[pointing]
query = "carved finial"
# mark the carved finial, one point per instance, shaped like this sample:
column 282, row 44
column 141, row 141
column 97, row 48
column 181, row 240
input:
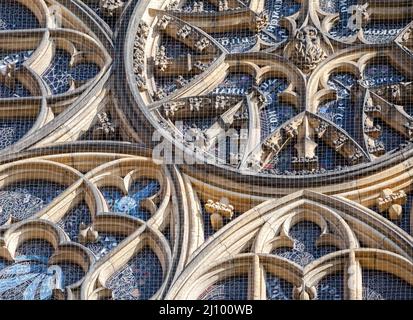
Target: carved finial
column 392, row 203
column 111, row 8
column 218, row 211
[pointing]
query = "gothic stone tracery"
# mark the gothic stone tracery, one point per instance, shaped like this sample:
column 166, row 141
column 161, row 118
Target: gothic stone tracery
column 313, row 98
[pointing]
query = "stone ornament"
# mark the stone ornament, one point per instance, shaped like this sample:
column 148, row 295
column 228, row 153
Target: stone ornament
column 314, row 204
column 308, row 52
column 111, row 8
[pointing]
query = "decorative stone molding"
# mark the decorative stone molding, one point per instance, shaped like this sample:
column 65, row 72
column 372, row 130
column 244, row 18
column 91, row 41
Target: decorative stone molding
column 308, row 52
column 139, row 55
column 111, row 8
column 276, row 250
column 104, row 129
column 161, row 59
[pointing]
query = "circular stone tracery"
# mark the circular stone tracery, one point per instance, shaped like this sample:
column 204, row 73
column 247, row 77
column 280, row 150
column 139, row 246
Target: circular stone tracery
column 276, row 87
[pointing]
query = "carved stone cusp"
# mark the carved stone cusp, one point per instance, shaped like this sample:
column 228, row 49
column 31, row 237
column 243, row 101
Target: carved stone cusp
column 217, row 221
column 87, row 234
column 304, row 292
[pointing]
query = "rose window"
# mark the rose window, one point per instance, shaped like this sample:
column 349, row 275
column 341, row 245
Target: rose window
column 275, row 87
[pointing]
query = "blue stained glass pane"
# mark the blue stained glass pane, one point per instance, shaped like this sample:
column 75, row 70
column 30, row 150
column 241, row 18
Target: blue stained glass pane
column 305, row 250
column 16, row 91
column 328, row 158
column 139, row 279
column 13, row 129
column 14, row 16
column 17, row 58
column 235, row 83
column 30, row 292
column 340, row 111
column 73, row 219
column 234, row 288
column 71, row 273
column 278, row 9
column 24, row 199
column 31, row 277
column 378, row 285
column 46, row 288
column 38, row 248
column 241, row 41
column 378, row 74
column 274, row 113
column 105, row 243
column 331, row 287
column 59, row 74
column 131, row 203
column 383, row 31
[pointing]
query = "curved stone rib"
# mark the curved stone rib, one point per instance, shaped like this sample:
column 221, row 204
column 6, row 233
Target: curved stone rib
column 254, row 130
column 392, row 114
column 224, row 21
column 272, row 144
column 338, row 139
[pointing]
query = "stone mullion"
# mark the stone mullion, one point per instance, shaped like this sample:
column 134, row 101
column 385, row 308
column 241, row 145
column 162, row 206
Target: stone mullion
column 254, row 131
column 353, row 289
column 256, row 280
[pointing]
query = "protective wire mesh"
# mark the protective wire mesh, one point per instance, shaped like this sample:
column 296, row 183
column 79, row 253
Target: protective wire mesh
column 212, row 149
